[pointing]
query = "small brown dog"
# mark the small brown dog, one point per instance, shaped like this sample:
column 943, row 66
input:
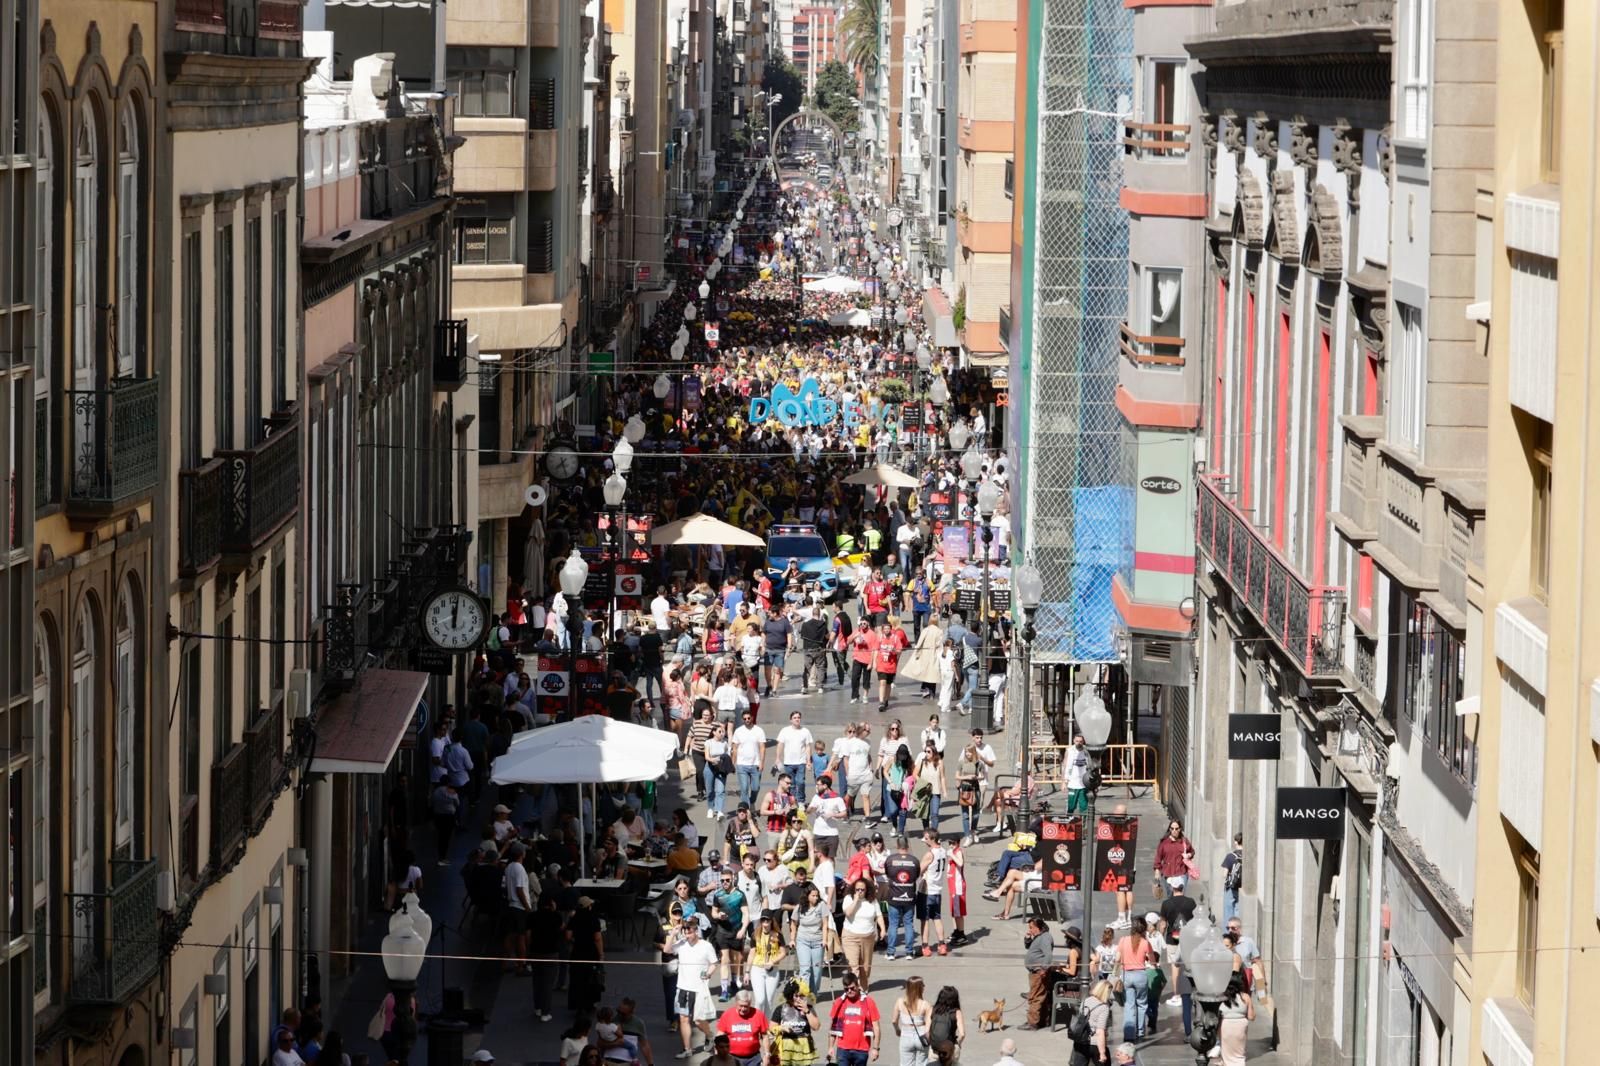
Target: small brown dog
column 990, row 1020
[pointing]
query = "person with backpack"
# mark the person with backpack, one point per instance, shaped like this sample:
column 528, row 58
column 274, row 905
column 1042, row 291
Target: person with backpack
column 1087, row 1031
column 1232, row 879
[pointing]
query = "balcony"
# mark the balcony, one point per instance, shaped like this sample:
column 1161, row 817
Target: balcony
column 1155, row 140
column 1304, row 620
column 449, row 354
column 114, row 446
column 240, row 27
column 261, row 486
column 117, row 940
column 1151, row 351
column 244, row 783
column 200, row 517
column 1359, row 488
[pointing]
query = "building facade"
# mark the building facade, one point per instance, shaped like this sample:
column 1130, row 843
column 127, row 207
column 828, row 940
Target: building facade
column 99, row 812
column 230, row 571
column 1540, row 704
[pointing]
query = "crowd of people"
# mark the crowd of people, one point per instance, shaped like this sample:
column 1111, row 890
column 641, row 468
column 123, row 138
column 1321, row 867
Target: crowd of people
column 817, row 856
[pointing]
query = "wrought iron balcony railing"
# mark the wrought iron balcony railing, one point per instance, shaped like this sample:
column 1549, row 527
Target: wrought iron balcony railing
column 1304, row 619
column 200, row 501
column 228, row 818
column 261, row 486
column 116, row 936
column 244, row 783
column 114, row 447
column 449, row 354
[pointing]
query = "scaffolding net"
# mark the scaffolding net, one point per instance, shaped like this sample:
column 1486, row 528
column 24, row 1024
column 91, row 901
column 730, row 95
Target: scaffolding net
column 1079, row 514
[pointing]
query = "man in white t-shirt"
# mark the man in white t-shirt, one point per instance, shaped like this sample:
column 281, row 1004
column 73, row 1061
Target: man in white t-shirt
column 775, row 877
column 827, row 809
column 519, row 904
column 697, row 961
column 749, row 756
column 661, row 611
column 794, row 753
column 852, row 761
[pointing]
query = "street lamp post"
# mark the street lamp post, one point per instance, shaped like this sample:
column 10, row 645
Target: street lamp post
column 1027, row 590
column 573, row 577
column 988, row 499
column 1210, row 967
column 403, row 953
column 1093, row 722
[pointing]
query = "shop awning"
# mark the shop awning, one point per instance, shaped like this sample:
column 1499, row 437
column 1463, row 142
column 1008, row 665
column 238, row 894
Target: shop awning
column 359, row 732
column 936, row 313
column 380, row 3
column 989, row 359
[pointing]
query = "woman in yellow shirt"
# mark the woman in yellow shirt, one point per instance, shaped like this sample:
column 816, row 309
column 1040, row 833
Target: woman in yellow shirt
column 767, row 952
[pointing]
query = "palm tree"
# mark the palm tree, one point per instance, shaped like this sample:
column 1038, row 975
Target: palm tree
column 860, row 28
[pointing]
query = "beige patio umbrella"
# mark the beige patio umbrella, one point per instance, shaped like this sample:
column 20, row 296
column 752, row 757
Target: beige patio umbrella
column 883, row 474
column 703, row 529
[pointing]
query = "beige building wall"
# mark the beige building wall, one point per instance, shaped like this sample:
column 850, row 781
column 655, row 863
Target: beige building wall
column 1536, row 950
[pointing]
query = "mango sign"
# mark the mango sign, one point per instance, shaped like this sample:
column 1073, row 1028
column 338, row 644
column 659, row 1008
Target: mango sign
column 804, row 408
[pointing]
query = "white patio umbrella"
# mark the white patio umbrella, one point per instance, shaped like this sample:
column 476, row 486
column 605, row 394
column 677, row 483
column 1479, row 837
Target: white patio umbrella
column 834, row 283
column 856, row 317
column 883, row 474
column 703, row 529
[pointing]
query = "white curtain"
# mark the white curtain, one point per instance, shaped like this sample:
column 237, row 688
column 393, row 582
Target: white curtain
column 1165, row 297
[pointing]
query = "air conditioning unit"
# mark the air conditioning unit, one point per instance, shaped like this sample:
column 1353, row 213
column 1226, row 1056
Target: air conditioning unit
column 299, row 694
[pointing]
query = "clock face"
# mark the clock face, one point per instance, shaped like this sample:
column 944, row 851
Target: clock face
column 561, row 462
column 454, row 619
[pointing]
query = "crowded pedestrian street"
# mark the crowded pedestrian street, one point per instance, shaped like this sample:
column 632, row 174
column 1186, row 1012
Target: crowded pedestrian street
column 837, row 822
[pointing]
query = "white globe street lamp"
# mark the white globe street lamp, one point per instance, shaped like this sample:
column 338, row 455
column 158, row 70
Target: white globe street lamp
column 988, row 499
column 939, row 393
column 1029, row 584
column 959, row 433
column 622, row 456
column 573, row 576
column 688, row 312
column 971, row 464
column 1093, row 720
column 705, row 289
column 614, row 489
column 633, row 430
column 662, row 386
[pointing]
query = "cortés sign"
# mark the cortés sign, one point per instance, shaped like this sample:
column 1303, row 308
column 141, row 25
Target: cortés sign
column 1162, row 486
column 1310, row 813
column 1254, row 736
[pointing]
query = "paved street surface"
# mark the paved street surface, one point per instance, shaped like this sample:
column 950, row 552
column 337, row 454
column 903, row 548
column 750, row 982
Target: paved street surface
column 989, row 968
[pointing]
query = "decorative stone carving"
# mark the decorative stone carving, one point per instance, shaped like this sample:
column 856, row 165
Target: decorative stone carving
column 1285, row 224
column 1369, row 302
column 1233, row 134
column 47, row 38
column 1327, row 238
column 1208, row 138
column 1347, row 159
column 136, row 41
column 1251, row 210
column 1303, row 143
column 1266, row 139
column 1386, row 153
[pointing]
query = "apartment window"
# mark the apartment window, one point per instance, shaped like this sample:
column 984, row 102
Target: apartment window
column 1550, row 54
column 85, row 248
column 193, row 353
column 252, row 653
column 127, row 761
column 486, row 228
column 222, row 711
column 1164, row 114
column 1163, row 292
column 1011, row 179
column 280, row 326
column 129, row 280
column 224, row 324
column 1434, row 671
column 484, row 80
column 252, row 329
column 1527, row 924
column 1408, row 376
column 189, row 750
column 1543, row 487
column 1416, row 69
column 280, row 596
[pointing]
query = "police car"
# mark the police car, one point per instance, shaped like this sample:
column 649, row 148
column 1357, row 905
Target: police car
column 805, row 545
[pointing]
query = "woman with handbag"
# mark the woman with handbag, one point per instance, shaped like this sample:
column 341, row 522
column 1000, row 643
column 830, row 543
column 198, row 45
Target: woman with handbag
column 1134, row 957
column 719, row 764
column 912, row 1014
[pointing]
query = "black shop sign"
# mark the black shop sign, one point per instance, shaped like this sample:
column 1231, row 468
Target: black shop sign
column 1310, row 813
column 1254, row 736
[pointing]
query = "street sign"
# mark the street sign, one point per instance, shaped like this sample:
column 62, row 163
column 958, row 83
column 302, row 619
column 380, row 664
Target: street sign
column 713, row 334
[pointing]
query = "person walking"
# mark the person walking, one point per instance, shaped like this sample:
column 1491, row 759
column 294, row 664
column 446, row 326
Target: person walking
column 931, row 786
column 749, row 756
column 922, row 665
column 853, row 1025
column 931, row 887
column 718, row 765
column 1077, row 774
column 863, row 647
column 886, row 659
column 745, row 1025
column 1173, row 856
column 777, row 634
column 912, row 1016
column 947, row 1032
column 1096, row 1009
column 808, row 923
column 840, row 629
column 767, row 952
column 1238, row 1011
column 1232, row 878
column 444, row 804
column 794, row 1025
column 1134, row 955
column 863, row 927
column 693, row 1005
column 904, row 872
column 949, row 661
column 794, row 752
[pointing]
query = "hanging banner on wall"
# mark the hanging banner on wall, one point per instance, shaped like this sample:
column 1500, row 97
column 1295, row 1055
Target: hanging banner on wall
column 1116, row 837
column 1059, row 847
column 1310, row 813
column 1254, row 736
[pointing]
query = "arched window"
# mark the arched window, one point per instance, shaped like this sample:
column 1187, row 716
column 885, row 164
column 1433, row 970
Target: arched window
column 44, row 703
column 130, row 214
column 85, row 247
column 44, row 262
column 129, row 634
column 84, row 768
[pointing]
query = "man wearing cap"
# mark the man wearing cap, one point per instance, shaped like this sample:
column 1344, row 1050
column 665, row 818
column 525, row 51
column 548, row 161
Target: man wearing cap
column 746, row 1029
column 711, row 876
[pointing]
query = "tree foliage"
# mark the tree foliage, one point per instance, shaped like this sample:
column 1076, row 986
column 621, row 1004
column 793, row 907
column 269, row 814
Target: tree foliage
column 782, row 78
column 860, row 27
column 835, row 95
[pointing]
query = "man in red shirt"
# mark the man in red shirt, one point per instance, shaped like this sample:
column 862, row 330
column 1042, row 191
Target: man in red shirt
column 746, row 1028
column 875, row 593
column 886, row 659
column 863, row 647
column 763, row 587
column 853, row 1026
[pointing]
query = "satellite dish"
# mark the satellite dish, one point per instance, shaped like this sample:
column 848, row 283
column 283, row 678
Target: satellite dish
column 535, row 496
